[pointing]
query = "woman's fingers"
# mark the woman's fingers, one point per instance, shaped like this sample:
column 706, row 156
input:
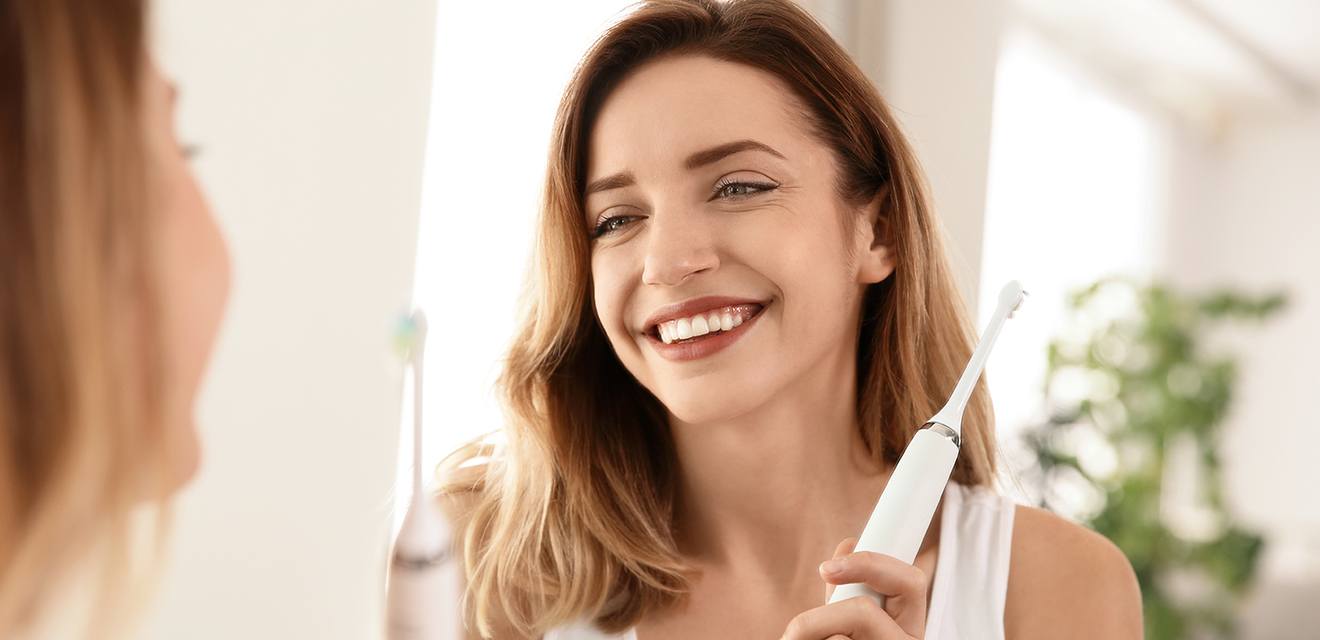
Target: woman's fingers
column 853, row 619
column 902, row 618
column 884, row 574
column 903, row 585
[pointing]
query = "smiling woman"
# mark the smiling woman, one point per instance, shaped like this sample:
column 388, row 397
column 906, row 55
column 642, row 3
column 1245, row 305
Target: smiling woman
column 741, row 312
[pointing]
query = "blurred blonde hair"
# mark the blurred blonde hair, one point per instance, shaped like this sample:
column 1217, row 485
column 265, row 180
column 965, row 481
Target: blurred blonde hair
column 572, row 516
column 80, row 366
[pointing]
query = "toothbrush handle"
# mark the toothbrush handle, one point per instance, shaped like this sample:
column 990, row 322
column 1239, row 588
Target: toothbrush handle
column 901, row 516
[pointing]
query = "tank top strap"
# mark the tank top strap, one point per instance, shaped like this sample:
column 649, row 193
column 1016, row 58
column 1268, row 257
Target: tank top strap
column 971, row 573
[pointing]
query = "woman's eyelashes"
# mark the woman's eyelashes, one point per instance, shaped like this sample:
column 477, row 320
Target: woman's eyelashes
column 737, row 189
column 608, row 225
column 724, row 189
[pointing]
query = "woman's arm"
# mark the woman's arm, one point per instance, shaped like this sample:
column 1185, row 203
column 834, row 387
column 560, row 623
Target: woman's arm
column 1066, row 581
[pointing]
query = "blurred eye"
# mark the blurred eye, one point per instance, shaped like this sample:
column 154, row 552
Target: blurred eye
column 190, row 151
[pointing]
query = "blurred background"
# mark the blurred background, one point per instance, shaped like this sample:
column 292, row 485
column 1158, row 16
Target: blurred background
column 1145, row 167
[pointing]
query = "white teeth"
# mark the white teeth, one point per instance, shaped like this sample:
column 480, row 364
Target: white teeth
column 699, row 326
column 683, row 329
column 704, row 323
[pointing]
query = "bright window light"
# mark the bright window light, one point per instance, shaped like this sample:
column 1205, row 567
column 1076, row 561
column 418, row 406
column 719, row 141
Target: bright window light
column 1074, row 195
column 497, row 80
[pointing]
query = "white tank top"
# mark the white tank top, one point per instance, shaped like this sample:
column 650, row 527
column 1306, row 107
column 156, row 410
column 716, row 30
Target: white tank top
column 971, row 571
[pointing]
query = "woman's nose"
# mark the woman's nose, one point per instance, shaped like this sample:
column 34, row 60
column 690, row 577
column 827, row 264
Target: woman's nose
column 677, row 246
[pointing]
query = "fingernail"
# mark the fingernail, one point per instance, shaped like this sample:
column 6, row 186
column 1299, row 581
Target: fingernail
column 831, row 566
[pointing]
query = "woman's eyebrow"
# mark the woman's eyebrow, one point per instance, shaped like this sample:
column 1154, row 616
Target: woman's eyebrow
column 715, row 154
column 615, row 181
column 698, row 159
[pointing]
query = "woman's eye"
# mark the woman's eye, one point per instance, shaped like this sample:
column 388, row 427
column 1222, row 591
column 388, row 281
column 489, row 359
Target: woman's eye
column 738, row 189
column 610, row 225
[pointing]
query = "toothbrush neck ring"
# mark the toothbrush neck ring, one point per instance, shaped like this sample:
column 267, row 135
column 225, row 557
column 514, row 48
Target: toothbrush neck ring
column 939, row 428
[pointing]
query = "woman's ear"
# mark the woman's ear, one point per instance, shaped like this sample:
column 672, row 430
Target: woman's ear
column 874, row 249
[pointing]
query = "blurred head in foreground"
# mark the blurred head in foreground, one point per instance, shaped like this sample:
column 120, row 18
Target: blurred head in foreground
column 113, row 280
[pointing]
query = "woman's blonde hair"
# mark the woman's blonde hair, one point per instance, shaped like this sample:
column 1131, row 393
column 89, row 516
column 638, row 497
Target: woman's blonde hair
column 572, row 516
column 80, row 431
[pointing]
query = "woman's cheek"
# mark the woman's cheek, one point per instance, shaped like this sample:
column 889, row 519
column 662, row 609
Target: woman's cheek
column 608, row 298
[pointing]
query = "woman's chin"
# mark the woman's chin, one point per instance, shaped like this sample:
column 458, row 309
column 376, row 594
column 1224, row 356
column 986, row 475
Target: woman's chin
column 182, row 460
column 700, row 403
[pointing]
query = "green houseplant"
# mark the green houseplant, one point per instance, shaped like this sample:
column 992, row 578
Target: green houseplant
column 1128, row 386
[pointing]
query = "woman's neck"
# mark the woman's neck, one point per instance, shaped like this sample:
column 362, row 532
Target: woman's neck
column 769, row 494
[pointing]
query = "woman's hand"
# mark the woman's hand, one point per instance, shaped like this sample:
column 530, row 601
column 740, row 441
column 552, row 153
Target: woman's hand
column 903, row 585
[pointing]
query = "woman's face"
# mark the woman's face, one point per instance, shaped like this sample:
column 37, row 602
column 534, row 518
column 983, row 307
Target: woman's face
column 716, row 206
column 194, row 274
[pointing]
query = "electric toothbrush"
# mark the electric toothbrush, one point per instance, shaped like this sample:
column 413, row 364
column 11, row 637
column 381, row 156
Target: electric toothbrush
column 423, row 588
column 905, row 509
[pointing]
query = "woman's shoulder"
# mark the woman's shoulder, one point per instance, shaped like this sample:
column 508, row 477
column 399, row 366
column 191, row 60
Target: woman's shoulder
column 1066, row 580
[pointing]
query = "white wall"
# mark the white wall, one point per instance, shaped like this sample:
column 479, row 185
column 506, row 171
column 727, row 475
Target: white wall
column 311, row 116
column 1249, row 216
column 934, row 62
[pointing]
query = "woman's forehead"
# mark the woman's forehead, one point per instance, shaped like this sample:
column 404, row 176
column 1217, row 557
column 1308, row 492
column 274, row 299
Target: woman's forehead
column 667, row 109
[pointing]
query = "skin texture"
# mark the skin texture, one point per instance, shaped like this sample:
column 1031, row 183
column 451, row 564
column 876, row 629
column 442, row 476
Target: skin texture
column 773, row 473
column 195, row 271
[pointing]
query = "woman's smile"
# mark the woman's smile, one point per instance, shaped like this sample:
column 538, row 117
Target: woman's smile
column 693, row 336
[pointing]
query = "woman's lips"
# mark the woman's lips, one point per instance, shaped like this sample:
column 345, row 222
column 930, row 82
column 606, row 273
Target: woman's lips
column 684, row 350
